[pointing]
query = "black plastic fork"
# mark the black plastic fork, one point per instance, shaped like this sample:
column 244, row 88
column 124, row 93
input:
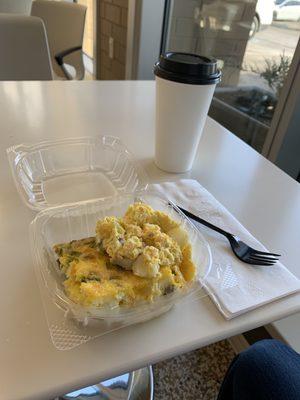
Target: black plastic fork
column 243, row 252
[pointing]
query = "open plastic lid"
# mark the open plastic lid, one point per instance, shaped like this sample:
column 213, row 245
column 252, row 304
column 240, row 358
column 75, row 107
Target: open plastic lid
column 64, row 171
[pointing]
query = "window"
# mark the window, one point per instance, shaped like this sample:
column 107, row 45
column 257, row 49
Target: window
column 255, row 61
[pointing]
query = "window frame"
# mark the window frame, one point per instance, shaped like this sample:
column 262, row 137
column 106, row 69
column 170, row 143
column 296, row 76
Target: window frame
column 282, row 127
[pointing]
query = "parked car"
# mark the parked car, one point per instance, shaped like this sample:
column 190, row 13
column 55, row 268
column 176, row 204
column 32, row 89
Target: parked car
column 263, row 15
column 287, row 10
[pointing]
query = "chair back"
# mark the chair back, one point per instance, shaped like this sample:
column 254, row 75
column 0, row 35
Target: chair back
column 24, row 49
column 64, row 24
column 15, row 6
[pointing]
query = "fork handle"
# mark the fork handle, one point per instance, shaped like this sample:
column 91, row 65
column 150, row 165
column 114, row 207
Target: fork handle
column 206, row 223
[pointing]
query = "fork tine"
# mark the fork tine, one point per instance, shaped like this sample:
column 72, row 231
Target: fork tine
column 262, row 258
column 254, row 262
column 264, row 253
column 254, row 259
column 257, row 260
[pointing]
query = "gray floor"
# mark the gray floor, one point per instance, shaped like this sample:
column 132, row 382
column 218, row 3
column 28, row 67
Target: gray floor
column 193, row 376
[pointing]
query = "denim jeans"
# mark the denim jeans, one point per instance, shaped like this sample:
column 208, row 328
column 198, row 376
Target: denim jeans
column 267, row 370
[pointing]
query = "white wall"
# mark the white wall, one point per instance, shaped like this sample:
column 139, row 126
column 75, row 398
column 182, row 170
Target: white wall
column 150, row 37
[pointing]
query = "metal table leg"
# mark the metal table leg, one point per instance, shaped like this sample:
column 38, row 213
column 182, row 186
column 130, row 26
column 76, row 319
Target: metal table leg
column 136, row 385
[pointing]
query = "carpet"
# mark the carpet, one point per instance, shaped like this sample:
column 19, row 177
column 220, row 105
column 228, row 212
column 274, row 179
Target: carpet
column 193, row 376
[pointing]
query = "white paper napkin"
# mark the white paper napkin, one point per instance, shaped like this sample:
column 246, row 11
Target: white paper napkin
column 234, row 286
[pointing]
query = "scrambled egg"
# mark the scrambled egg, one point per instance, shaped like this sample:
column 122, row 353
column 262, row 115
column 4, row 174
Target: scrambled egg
column 136, row 258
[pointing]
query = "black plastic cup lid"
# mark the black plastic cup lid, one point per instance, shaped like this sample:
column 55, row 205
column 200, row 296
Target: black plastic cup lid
column 188, row 68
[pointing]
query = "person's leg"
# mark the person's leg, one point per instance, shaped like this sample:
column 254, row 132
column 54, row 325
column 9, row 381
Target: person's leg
column 267, row 370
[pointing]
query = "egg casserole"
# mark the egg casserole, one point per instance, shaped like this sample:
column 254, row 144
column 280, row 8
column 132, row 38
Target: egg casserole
column 130, row 260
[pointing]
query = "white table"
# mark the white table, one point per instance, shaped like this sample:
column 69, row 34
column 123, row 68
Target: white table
column 262, row 197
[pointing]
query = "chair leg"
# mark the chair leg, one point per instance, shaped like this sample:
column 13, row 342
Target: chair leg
column 136, row 385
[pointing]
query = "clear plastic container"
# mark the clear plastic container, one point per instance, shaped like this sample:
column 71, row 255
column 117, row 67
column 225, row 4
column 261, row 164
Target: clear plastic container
column 77, row 221
column 52, row 173
column 73, row 183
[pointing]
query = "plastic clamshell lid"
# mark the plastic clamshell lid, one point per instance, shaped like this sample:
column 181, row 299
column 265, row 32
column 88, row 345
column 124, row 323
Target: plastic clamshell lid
column 71, row 170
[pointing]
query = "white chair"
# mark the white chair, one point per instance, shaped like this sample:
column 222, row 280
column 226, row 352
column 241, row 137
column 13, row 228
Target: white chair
column 24, row 49
column 64, row 24
column 15, row 6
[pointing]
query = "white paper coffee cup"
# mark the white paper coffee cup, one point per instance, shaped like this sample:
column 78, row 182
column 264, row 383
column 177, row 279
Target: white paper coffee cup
column 185, row 85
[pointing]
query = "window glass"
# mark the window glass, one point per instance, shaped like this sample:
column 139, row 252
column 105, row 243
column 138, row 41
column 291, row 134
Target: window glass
column 254, row 44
